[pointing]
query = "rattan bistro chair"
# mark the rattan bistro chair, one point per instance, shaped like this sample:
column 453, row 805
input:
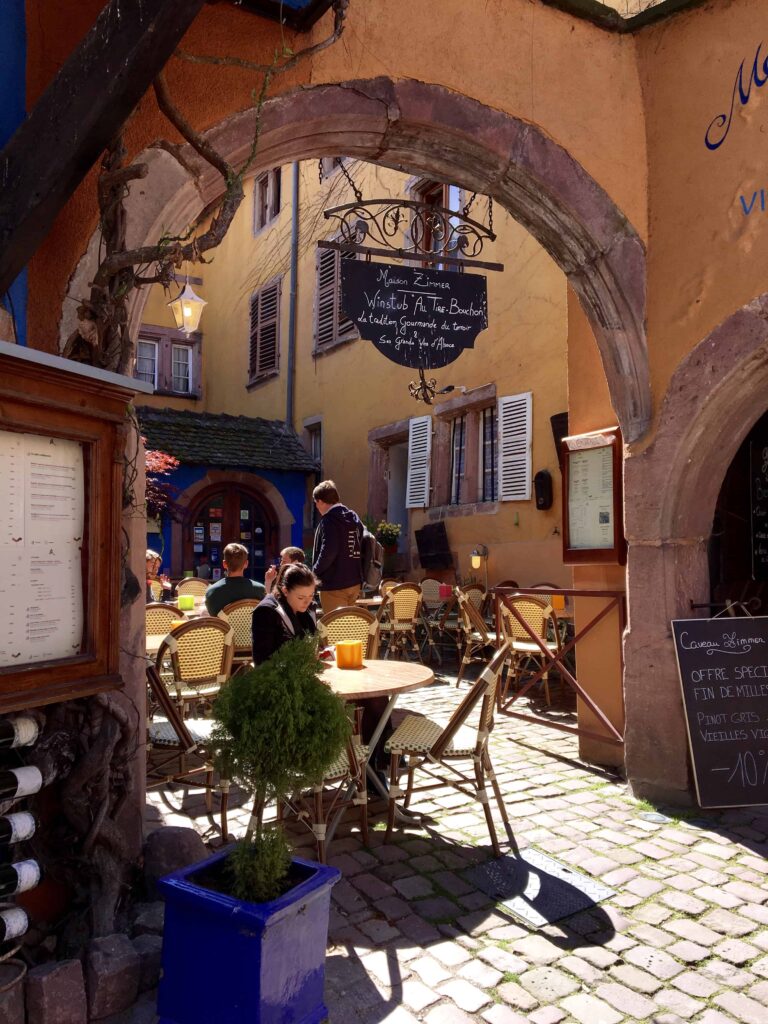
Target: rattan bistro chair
column 476, row 636
column 239, row 615
column 399, row 617
column 351, row 623
column 200, row 655
column 438, row 751
column 179, row 749
column 192, row 585
column 159, row 618
column 542, row 621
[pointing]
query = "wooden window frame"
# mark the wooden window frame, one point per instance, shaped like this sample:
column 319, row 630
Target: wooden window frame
column 155, row 345
column 166, row 339
column 493, row 463
column 187, row 350
column 257, row 375
column 322, row 295
column 267, row 188
column 458, row 458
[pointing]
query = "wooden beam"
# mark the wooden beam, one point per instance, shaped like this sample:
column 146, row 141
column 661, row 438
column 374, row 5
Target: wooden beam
column 76, row 117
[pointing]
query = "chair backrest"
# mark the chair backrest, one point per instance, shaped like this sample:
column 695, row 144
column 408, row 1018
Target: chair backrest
column 536, row 613
column 193, row 586
column 386, row 585
column 430, row 591
column 483, row 689
column 156, row 589
column 160, row 616
column 351, row 624
column 476, row 594
column 239, row 615
column 471, row 619
column 508, row 583
column 200, row 650
column 159, row 696
column 404, row 602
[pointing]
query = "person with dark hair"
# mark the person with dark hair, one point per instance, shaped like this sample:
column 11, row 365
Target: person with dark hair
column 235, row 586
column 337, row 555
column 286, row 613
column 288, row 556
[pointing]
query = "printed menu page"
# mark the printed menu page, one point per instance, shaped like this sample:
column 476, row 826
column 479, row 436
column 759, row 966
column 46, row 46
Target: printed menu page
column 41, row 538
column 590, row 498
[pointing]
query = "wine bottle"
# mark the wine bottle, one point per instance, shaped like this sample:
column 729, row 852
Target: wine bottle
column 18, row 877
column 18, row 782
column 21, row 731
column 13, row 923
column 15, row 828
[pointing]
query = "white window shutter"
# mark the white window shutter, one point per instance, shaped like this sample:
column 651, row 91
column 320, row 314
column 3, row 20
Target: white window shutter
column 419, row 451
column 515, row 437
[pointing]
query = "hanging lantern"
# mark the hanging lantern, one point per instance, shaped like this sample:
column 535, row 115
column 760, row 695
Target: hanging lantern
column 187, row 309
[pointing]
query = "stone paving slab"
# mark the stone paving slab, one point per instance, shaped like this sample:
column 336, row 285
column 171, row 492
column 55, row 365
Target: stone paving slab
column 685, row 938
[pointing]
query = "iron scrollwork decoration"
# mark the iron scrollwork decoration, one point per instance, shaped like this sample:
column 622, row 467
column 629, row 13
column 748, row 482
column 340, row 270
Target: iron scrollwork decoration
column 411, row 229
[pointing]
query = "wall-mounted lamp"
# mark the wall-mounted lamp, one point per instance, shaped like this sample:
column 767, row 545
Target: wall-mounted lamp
column 479, row 554
column 479, row 557
column 187, row 308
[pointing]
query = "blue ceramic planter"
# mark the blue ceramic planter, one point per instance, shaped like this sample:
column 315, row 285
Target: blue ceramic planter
column 230, row 962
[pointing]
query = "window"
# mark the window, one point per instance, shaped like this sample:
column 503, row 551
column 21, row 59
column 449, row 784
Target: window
column 181, row 369
column 266, row 198
column 434, row 193
column 331, row 323
column 330, row 164
column 458, row 448
column 169, row 360
column 315, row 438
column 146, row 362
column 488, row 469
column 264, row 347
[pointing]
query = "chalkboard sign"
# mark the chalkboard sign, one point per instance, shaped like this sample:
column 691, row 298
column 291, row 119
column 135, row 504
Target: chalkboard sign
column 723, row 665
column 417, row 318
column 758, row 502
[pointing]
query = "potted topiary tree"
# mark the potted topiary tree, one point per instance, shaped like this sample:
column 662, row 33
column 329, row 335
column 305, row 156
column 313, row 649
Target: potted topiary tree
column 255, row 917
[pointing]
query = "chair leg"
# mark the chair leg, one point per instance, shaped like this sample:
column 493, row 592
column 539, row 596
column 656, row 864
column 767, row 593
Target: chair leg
column 394, row 780
column 318, row 826
column 491, row 776
column 223, row 808
column 466, row 659
column 482, row 796
column 409, row 785
column 362, row 796
column 209, row 791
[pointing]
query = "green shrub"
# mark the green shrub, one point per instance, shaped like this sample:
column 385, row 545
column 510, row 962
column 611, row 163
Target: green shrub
column 278, row 729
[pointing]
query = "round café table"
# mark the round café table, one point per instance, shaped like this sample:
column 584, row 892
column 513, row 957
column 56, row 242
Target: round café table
column 377, row 678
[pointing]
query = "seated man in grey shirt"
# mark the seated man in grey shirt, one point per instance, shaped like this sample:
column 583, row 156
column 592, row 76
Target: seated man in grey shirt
column 234, row 586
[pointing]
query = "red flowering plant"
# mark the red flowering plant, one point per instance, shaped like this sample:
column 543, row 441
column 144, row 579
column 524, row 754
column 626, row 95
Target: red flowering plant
column 160, row 495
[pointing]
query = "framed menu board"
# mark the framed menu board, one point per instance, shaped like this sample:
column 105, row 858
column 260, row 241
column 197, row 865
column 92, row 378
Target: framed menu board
column 592, row 501
column 61, row 466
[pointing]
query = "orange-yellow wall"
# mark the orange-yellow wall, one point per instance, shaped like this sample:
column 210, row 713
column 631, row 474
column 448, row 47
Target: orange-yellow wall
column 511, row 54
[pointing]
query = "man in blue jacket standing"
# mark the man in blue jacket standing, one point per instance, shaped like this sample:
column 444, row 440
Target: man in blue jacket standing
column 337, row 560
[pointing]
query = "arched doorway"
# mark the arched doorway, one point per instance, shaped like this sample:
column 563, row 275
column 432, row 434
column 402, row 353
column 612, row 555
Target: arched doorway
column 428, row 130
column 223, row 513
column 714, row 400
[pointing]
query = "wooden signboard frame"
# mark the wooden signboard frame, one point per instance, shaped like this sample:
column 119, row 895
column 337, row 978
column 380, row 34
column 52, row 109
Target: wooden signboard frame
column 54, row 398
column 602, row 445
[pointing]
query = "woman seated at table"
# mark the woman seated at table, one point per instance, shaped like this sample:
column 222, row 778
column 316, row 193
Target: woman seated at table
column 286, row 613
column 154, row 561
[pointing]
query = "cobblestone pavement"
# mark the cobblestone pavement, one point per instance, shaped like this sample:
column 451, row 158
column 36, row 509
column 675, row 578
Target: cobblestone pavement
column 685, row 937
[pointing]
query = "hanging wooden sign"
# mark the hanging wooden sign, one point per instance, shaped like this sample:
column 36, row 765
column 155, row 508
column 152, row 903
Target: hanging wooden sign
column 416, row 317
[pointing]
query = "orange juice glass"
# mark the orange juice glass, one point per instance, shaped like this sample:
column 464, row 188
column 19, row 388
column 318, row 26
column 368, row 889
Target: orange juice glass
column 178, row 622
column 558, row 602
column 349, row 653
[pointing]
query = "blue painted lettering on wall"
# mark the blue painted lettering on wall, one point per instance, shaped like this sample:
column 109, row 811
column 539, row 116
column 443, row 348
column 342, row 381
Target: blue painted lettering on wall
column 757, row 199
column 720, row 126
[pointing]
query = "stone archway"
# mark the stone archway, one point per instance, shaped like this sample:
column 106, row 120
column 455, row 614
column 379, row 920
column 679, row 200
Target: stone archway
column 714, row 398
column 427, row 129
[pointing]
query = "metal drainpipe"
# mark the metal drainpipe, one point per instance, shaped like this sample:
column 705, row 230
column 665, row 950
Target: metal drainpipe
column 290, row 391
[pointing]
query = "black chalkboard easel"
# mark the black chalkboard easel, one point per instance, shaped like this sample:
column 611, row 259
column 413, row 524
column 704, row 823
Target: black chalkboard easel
column 723, row 666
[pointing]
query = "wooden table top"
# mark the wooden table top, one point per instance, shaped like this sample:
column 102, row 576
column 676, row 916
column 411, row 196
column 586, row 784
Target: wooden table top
column 376, row 678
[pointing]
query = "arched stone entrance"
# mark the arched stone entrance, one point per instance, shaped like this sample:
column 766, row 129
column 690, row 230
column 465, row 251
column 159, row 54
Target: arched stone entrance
column 671, row 488
column 427, row 129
